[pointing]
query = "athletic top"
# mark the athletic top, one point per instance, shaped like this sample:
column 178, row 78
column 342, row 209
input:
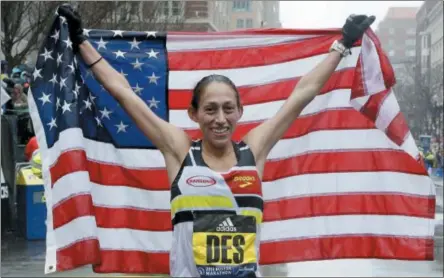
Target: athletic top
column 225, row 204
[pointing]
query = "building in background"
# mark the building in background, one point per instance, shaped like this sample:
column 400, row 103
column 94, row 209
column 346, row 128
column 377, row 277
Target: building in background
column 429, row 60
column 429, row 37
column 213, row 16
column 397, row 33
column 245, row 14
column 271, row 14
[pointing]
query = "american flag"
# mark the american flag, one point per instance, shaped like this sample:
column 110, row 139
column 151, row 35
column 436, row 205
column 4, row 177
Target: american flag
column 344, row 181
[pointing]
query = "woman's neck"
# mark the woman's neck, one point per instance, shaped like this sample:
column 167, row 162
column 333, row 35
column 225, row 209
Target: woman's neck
column 211, row 151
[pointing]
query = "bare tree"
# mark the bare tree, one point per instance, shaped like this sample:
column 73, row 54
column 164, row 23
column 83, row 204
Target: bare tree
column 422, row 101
column 24, row 23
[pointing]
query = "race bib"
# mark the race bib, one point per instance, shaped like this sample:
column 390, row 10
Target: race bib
column 224, row 245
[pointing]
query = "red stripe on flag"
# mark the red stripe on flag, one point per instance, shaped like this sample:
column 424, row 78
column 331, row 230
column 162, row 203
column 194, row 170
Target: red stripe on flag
column 108, row 174
column 78, row 254
column 398, row 129
column 343, row 162
column 68, row 162
column 313, row 206
column 350, row 204
column 343, row 119
column 374, row 102
column 249, row 56
column 347, row 247
column 312, row 163
column 81, row 205
column 119, row 261
column 72, row 208
column 181, row 99
column 132, row 218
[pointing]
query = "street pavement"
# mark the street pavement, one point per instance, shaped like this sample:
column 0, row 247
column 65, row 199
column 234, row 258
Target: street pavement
column 21, row 258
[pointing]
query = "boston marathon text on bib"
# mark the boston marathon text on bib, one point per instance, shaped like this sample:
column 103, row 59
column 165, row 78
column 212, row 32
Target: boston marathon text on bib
column 223, row 245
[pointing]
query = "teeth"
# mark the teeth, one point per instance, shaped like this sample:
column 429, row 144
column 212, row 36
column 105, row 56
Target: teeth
column 221, row 130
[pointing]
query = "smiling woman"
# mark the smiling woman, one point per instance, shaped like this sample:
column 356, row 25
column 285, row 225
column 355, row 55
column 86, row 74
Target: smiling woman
column 216, row 183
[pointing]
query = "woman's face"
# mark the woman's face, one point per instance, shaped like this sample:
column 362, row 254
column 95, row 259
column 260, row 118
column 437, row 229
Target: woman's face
column 218, row 114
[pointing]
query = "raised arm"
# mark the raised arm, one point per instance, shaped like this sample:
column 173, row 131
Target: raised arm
column 262, row 138
column 169, row 139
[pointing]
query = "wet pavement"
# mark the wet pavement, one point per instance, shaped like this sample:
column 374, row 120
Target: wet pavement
column 21, row 258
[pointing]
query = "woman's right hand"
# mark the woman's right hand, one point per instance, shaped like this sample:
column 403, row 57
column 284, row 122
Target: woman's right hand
column 74, row 25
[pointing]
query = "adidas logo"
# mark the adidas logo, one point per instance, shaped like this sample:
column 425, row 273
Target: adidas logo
column 226, row 226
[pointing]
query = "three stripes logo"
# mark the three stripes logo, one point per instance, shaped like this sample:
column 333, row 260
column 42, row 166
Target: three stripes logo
column 226, row 226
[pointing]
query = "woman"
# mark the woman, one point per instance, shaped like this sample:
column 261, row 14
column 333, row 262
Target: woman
column 216, row 202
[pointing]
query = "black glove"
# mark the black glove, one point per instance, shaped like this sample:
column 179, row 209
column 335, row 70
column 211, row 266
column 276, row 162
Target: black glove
column 74, row 25
column 354, row 28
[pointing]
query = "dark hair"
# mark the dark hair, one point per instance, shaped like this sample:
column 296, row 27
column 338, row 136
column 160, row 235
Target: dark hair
column 207, row 80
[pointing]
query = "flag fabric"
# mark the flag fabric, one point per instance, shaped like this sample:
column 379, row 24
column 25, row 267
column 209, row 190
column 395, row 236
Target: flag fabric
column 345, row 181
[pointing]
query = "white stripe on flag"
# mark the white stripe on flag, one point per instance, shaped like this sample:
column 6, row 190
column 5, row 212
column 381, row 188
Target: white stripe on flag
column 326, row 140
column 250, row 76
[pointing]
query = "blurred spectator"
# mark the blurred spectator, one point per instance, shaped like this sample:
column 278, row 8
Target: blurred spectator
column 18, row 99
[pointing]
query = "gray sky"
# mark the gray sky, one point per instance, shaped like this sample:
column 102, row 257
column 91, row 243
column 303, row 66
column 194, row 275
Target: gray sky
column 332, row 14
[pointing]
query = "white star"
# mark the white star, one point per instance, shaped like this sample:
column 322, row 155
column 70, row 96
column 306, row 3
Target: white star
column 45, row 98
column 54, row 79
column 68, row 43
column 118, row 33
column 101, row 43
column 105, row 113
column 71, row 67
column 87, row 104
column 58, row 104
column 153, row 103
column 153, row 78
column 135, row 44
column 59, row 58
column 63, row 19
column 66, row 107
column 137, row 65
column 77, row 87
column 98, row 121
column 152, row 54
column 152, row 33
column 137, row 89
column 56, row 36
column 76, row 90
column 119, row 53
column 121, row 127
column 62, row 82
column 36, row 73
column 86, row 32
column 47, row 54
column 92, row 98
column 122, row 73
column 52, row 123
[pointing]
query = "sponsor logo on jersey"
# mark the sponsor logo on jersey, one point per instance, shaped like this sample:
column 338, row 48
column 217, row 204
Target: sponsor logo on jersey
column 201, row 181
column 244, row 181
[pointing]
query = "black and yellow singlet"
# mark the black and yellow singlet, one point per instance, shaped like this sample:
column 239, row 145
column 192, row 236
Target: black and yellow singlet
column 216, row 217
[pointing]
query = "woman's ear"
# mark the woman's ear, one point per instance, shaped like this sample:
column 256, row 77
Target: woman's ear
column 241, row 111
column 192, row 113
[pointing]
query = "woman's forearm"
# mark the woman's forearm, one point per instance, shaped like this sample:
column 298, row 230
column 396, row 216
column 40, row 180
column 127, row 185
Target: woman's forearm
column 312, row 83
column 111, row 79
